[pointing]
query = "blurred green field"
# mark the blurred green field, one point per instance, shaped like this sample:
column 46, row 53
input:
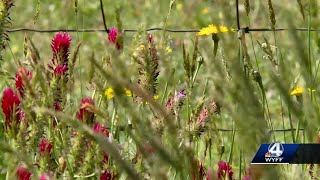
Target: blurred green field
column 247, row 107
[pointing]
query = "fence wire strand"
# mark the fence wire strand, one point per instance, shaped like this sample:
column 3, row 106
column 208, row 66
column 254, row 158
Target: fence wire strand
column 246, row 29
column 124, row 128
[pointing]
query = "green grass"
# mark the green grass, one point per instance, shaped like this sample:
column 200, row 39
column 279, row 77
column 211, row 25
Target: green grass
column 250, row 75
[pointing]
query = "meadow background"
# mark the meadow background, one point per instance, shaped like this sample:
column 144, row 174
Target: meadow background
column 242, row 91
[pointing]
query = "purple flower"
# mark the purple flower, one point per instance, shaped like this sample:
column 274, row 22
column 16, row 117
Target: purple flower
column 181, row 94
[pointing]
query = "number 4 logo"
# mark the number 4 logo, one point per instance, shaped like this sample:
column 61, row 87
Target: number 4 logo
column 275, row 149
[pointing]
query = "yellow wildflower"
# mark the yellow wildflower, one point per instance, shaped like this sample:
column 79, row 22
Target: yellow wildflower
column 168, row 49
column 179, row 6
column 213, row 29
column 205, row 11
column 128, row 92
column 155, row 97
column 297, row 91
column 223, row 29
column 109, row 93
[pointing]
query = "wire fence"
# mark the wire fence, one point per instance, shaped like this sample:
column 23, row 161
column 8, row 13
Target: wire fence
column 123, row 128
column 245, row 29
column 239, row 28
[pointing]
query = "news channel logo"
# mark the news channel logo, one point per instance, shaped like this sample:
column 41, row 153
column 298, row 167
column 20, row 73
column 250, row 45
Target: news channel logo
column 276, row 153
column 275, row 150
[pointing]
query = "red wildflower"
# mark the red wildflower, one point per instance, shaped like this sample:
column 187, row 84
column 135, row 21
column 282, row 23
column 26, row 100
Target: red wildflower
column 20, row 116
column 60, row 69
column 10, row 106
column 98, row 128
column 106, row 175
column 246, row 178
column 105, row 158
column 113, row 35
column 45, row 147
column 224, row 169
column 22, row 73
column 60, row 45
column 101, row 129
column 46, row 176
column 150, row 38
column 199, row 172
column 57, row 106
column 209, row 175
column 85, row 109
column 249, row 171
column 22, row 173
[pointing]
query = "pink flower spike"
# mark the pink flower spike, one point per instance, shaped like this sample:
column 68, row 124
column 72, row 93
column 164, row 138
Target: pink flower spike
column 113, row 35
column 22, row 173
column 60, row 69
column 10, row 104
column 209, row 175
column 57, row 106
column 224, row 169
column 106, row 175
column 101, row 129
column 22, row 73
column 44, row 176
column 203, row 116
column 246, row 178
column 47, row 176
column 85, row 110
column 61, row 42
column 98, row 128
column 45, row 147
column 199, row 172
